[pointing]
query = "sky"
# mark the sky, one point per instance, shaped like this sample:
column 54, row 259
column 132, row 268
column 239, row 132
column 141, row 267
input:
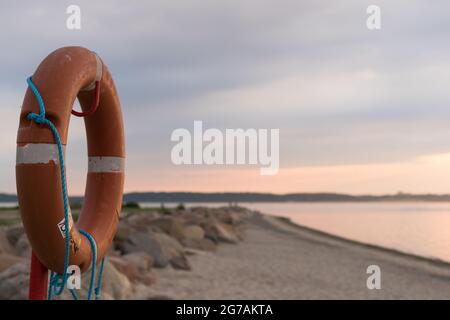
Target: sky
column 359, row 111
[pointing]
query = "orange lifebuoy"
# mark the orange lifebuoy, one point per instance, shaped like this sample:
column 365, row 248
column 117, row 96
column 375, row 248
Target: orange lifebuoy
column 64, row 75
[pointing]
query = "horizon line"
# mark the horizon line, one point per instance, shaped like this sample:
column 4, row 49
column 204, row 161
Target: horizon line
column 399, row 193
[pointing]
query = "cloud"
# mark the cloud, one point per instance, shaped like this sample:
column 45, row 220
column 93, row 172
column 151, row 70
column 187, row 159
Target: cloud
column 339, row 93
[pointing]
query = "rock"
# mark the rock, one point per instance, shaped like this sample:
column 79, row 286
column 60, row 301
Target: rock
column 143, row 261
column 193, row 232
column 240, row 231
column 123, row 231
column 169, row 225
column 170, row 246
column 200, row 211
column 200, row 244
column 159, row 297
column 23, row 246
column 174, row 251
column 180, row 262
column 7, row 260
column 14, row 233
column 137, row 220
column 221, row 232
column 127, row 268
column 14, row 282
column 106, row 296
column 115, row 283
column 194, row 218
column 144, row 242
column 5, row 246
column 136, row 267
column 112, row 252
column 158, row 245
column 148, row 279
column 229, row 217
column 142, row 292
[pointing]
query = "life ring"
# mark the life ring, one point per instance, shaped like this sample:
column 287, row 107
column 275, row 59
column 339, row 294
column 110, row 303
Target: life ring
column 64, row 75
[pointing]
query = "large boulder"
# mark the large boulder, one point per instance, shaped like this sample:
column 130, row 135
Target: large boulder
column 5, row 246
column 174, row 251
column 170, row 245
column 22, row 247
column 203, row 244
column 169, row 225
column 161, row 247
column 136, row 267
column 180, row 262
column 115, row 284
column 228, row 216
column 14, row 233
column 123, row 231
column 144, row 242
column 7, row 260
column 195, row 217
column 127, row 268
column 14, row 282
column 138, row 220
column 193, row 232
column 221, row 232
column 142, row 260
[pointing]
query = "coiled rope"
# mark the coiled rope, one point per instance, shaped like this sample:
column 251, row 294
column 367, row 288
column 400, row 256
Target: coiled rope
column 57, row 281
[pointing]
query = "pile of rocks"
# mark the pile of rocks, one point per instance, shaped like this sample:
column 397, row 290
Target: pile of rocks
column 145, row 240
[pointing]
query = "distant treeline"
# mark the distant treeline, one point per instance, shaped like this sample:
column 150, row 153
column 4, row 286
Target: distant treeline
column 179, row 197
column 270, row 197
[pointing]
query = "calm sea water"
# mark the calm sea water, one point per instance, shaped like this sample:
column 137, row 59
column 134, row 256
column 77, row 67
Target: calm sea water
column 421, row 228
column 8, row 204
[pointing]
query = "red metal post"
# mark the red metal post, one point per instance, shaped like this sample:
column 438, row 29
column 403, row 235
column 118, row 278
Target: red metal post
column 38, row 279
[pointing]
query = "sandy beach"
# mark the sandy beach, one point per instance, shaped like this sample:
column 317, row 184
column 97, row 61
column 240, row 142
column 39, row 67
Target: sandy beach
column 279, row 260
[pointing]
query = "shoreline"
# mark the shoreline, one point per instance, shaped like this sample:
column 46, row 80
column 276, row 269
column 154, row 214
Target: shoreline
column 279, row 259
column 302, row 228
column 236, row 254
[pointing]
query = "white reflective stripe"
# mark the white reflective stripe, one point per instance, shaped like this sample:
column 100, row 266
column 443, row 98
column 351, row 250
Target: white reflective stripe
column 106, row 164
column 98, row 73
column 38, row 153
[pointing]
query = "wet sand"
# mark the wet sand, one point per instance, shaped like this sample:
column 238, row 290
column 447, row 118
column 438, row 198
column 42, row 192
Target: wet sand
column 280, row 260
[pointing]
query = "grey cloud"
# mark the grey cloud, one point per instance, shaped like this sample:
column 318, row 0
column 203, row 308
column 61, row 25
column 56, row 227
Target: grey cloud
column 167, row 56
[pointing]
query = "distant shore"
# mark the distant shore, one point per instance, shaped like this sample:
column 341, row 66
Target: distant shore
column 243, row 197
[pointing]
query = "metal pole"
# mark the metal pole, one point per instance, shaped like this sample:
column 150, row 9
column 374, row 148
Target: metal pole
column 38, row 279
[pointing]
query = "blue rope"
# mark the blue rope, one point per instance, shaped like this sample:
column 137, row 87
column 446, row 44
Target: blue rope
column 58, row 282
column 93, row 268
column 74, row 294
column 94, row 260
column 98, row 289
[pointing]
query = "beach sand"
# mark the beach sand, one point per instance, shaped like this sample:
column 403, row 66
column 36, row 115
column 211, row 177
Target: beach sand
column 280, row 260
